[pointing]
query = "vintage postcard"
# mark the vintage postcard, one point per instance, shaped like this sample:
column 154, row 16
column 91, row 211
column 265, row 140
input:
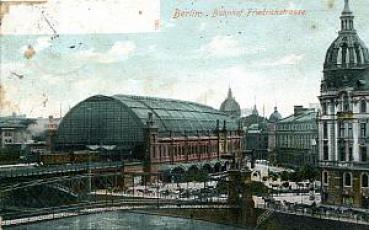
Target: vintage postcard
column 184, row 114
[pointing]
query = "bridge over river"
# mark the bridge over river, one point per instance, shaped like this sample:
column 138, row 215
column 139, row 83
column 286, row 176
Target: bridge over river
column 35, row 193
column 27, row 216
column 32, row 194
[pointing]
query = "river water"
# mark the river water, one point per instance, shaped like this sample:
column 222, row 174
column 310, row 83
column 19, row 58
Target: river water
column 124, row 220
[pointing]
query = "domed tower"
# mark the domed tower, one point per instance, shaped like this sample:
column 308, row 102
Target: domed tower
column 272, row 129
column 275, row 116
column 343, row 124
column 347, row 56
column 230, row 106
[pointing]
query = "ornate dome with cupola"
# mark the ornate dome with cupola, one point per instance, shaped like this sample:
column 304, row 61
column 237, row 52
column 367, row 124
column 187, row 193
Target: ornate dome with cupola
column 347, row 57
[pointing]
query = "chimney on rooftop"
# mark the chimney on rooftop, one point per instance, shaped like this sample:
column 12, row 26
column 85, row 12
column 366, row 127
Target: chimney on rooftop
column 298, row 109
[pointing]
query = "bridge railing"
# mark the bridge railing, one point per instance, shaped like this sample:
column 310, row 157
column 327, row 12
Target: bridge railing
column 321, row 212
column 41, row 214
column 44, row 170
column 344, row 164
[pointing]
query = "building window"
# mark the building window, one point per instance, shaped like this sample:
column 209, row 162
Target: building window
column 363, row 106
column 363, row 153
column 7, row 134
column 345, row 104
column 342, row 153
column 325, row 130
column 324, row 108
column 364, row 180
column 351, row 156
column 332, row 107
column 325, row 151
column 161, row 150
column 341, row 129
column 347, row 179
column 325, row 178
column 362, row 130
column 350, row 134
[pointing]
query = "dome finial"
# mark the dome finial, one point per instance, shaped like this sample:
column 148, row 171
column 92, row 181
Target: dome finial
column 347, row 7
column 255, row 110
column 229, row 92
column 347, row 18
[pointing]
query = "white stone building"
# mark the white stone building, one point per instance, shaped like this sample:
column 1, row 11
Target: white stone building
column 343, row 126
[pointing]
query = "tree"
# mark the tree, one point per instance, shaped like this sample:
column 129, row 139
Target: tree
column 285, row 176
column 295, row 176
column 309, row 172
column 273, row 175
column 256, row 187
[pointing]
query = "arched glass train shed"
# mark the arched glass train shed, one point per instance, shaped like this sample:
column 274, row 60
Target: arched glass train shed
column 119, row 122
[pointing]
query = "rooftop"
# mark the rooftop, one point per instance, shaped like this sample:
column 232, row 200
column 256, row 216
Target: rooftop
column 15, row 122
column 172, row 115
column 304, row 116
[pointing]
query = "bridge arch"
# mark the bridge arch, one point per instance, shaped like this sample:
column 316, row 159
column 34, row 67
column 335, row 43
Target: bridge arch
column 178, row 174
column 217, row 167
column 193, row 169
column 178, row 170
column 226, row 166
column 207, row 168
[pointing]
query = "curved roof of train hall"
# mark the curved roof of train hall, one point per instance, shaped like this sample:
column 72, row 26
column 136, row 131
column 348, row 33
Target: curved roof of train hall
column 176, row 115
column 170, row 115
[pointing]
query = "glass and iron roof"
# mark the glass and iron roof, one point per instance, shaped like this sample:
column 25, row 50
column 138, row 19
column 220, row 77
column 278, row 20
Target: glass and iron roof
column 175, row 115
column 120, row 120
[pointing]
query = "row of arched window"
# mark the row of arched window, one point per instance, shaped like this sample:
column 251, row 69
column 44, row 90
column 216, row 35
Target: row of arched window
column 348, row 179
column 345, row 54
column 345, row 106
column 166, row 150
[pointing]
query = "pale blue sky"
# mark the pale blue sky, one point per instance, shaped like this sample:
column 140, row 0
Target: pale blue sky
column 275, row 59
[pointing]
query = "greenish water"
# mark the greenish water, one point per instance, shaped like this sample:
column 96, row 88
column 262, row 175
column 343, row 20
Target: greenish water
column 124, row 220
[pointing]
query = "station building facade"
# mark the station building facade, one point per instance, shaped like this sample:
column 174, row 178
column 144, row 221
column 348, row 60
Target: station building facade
column 160, row 132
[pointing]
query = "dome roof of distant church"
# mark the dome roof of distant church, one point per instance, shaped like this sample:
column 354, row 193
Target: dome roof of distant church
column 230, row 106
column 275, row 116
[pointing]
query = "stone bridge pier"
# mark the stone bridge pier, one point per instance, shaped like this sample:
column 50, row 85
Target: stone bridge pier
column 240, row 194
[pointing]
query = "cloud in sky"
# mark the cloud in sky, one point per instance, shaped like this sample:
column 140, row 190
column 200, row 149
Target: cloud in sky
column 248, row 84
column 186, row 60
column 40, row 44
column 226, row 46
column 167, row 23
column 120, row 51
column 290, row 59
